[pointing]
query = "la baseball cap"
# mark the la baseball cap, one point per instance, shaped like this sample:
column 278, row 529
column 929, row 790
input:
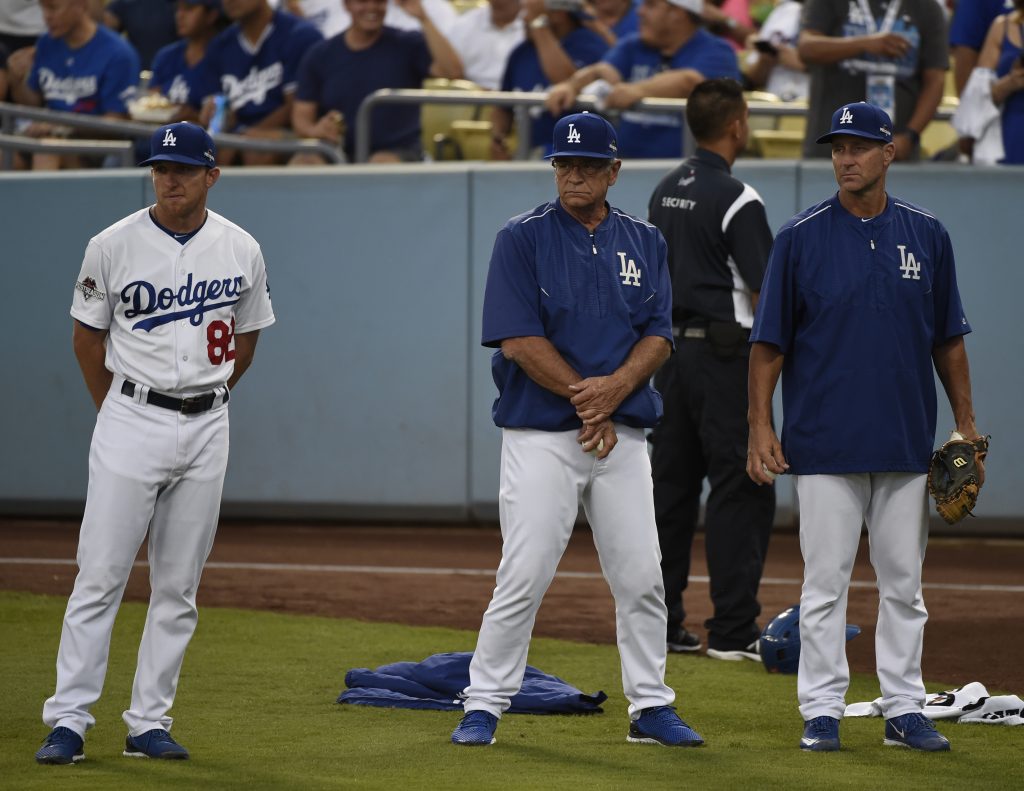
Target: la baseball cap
column 182, row 142
column 860, row 120
column 584, row 135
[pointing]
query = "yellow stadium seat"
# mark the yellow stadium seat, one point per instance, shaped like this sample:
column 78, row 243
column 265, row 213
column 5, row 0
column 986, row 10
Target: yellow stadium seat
column 776, row 136
column 777, row 143
column 939, row 135
column 436, row 119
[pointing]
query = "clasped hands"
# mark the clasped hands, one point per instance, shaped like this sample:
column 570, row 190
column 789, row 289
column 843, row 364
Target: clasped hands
column 596, row 398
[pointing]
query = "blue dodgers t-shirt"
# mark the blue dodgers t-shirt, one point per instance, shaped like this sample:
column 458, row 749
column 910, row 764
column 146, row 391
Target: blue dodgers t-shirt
column 523, row 73
column 339, row 78
column 99, row 77
column 593, row 296
column 856, row 308
column 255, row 78
column 172, row 75
column 647, row 135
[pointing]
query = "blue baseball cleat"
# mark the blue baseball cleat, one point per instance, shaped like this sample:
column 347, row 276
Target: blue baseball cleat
column 156, row 743
column 915, row 731
column 661, row 725
column 821, row 735
column 62, row 746
column 476, row 729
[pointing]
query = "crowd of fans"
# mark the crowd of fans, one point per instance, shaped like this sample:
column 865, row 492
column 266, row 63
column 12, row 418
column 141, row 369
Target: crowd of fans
column 290, row 69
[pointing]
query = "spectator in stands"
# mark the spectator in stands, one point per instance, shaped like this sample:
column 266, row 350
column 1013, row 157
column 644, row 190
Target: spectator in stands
column 176, row 67
column 729, row 19
column 1003, row 56
column 671, row 55
column 972, row 20
column 556, row 45
column 612, row 19
column 147, row 24
column 892, row 55
column 774, row 64
column 331, row 16
column 21, row 23
column 340, row 72
column 484, row 37
column 254, row 64
column 77, row 66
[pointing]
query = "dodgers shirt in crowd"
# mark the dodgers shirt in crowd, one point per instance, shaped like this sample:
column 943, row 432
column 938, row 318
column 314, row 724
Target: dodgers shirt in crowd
column 254, row 78
column 661, row 134
column 99, row 77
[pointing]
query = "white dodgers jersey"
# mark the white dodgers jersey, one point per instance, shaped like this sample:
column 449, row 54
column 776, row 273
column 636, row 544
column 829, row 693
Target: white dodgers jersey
column 173, row 309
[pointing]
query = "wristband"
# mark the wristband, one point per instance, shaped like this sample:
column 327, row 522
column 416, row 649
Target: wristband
column 539, row 22
column 913, row 134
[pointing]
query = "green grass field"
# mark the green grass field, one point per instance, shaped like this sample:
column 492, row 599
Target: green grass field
column 256, row 708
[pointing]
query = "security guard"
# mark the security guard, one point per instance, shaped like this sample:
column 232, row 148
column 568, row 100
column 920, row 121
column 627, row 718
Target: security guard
column 718, row 244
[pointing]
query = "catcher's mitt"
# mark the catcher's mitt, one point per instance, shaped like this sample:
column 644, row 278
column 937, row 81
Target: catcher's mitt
column 953, row 476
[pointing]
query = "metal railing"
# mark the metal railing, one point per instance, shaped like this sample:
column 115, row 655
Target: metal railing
column 126, row 131
column 123, row 150
column 519, row 101
column 522, row 101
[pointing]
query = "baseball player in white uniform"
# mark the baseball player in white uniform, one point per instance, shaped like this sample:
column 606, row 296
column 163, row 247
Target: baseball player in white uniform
column 168, row 307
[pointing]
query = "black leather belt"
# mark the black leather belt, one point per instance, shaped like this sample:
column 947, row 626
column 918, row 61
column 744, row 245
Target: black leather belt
column 690, row 332
column 700, row 330
column 192, row 405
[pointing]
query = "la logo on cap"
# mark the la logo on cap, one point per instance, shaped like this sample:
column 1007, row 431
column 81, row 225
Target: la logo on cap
column 169, row 139
column 574, row 135
column 846, row 117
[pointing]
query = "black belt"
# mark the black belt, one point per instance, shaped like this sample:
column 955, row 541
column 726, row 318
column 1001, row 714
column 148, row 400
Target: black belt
column 192, row 405
column 699, row 329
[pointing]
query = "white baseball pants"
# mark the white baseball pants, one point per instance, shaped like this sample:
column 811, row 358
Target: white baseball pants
column 832, row 509
column 544, row 477
column 150, row 469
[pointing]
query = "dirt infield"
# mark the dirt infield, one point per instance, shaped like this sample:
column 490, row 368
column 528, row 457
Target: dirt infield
column 443, row 576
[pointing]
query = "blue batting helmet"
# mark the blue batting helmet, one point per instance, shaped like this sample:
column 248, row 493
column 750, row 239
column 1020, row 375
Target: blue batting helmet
column 780, row 641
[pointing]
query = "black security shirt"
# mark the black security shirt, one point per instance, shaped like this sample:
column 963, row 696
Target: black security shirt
column 718, row 239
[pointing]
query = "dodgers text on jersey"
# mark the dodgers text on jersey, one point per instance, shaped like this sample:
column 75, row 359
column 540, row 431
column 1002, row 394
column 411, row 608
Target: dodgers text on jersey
column 146, row 300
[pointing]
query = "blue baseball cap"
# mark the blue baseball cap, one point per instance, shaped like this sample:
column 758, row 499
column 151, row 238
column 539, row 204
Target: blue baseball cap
column 182, row 142
column 584, row 135
column 860, row 120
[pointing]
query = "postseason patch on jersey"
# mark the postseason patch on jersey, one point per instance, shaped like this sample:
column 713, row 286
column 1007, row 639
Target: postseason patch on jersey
column 88, row 288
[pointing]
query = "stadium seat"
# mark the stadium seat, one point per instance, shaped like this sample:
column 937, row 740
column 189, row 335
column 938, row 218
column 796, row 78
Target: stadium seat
column 777, row 143
column 940, row 135
column 776, row 136
column 436, row 119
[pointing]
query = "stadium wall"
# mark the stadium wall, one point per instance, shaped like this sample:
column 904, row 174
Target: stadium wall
column 370, row 398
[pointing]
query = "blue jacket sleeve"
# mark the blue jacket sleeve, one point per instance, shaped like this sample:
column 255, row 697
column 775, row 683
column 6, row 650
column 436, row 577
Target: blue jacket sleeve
column 511, row 296
column 774, row 319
